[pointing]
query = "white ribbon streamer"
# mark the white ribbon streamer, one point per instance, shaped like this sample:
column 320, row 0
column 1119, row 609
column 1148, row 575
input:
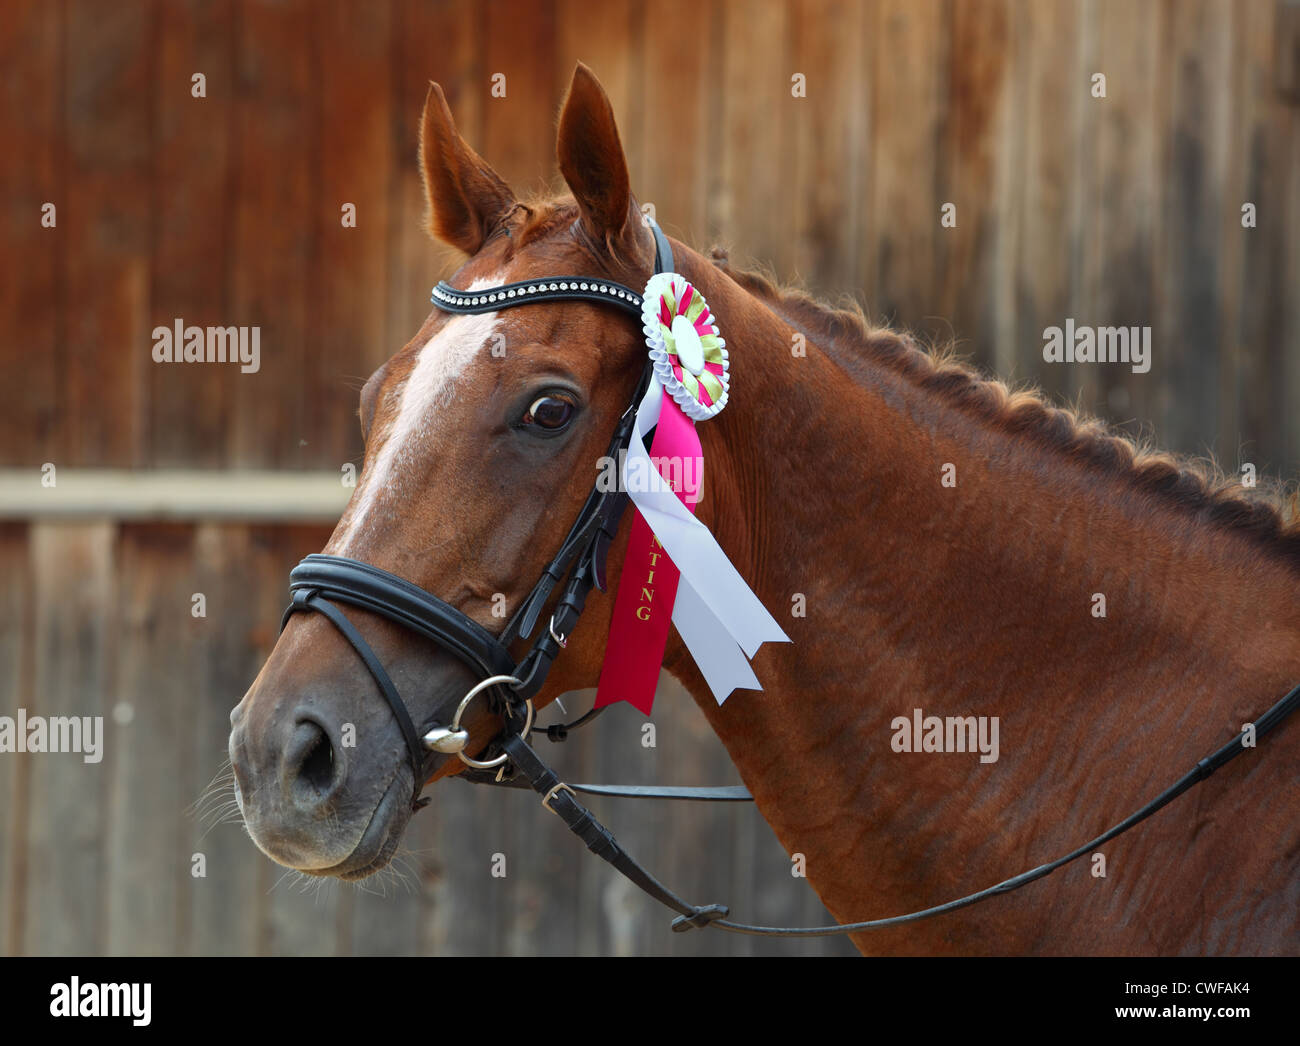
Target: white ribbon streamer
column 719, row 618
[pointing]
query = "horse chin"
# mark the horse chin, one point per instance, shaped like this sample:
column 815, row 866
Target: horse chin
column 374, row 847
column 379, row 841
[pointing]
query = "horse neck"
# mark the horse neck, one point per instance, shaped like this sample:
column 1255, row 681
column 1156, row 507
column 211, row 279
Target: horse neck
column 973, row 599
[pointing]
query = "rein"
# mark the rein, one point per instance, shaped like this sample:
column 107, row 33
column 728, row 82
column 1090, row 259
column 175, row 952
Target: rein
column 321, row 582
column 560, row 799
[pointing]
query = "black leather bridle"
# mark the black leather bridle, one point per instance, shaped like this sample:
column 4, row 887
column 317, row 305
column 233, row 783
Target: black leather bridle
column 320, row 582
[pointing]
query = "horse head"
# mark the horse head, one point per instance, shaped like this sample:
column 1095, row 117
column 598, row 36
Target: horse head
column 482, row 436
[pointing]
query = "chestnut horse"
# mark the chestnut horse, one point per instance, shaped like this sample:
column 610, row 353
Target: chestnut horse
column 960, row 549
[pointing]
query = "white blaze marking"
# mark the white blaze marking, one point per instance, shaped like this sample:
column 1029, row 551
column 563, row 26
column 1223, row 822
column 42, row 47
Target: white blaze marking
column 430, row 385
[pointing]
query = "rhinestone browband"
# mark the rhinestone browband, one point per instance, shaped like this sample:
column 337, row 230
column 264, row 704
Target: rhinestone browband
column 453, row 299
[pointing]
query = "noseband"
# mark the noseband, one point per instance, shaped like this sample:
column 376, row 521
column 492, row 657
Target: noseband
column 320, row 582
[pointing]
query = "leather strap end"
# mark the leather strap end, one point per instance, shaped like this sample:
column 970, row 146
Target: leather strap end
column 536, row 601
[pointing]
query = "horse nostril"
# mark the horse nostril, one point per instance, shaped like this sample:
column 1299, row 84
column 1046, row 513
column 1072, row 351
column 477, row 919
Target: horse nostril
column 318, row 767
column 311, row 764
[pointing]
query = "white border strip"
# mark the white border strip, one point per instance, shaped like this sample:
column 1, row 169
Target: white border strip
column 275, row 497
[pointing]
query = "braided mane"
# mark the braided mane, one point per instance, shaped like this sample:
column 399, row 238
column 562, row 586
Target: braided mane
column 1268, row 514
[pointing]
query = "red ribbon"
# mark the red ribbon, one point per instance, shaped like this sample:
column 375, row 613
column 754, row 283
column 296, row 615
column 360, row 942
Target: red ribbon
column 643, row 608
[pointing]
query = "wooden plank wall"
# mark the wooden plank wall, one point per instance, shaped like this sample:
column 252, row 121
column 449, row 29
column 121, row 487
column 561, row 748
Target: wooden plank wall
column 225, row 210
column 97, row 858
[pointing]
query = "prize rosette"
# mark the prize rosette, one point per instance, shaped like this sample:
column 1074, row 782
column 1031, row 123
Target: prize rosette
column 689, row 355
column 674, row 569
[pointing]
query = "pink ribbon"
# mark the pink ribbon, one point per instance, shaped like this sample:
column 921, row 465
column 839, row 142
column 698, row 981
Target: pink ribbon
column 643, row 608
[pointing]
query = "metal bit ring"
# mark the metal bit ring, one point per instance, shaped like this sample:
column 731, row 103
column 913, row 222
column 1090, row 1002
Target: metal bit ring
column 464, row 704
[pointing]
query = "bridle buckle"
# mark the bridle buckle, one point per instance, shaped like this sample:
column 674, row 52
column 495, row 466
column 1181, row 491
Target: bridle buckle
column 561, row 787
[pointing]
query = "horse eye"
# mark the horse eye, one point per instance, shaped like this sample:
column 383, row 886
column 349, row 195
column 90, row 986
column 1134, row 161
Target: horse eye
column 549, row 412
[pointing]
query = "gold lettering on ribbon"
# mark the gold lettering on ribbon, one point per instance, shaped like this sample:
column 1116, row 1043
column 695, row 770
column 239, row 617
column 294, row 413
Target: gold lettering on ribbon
column 648, row 590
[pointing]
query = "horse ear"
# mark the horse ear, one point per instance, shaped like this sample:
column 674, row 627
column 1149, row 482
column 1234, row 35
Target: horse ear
column 592, row 161
column 466, row 197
